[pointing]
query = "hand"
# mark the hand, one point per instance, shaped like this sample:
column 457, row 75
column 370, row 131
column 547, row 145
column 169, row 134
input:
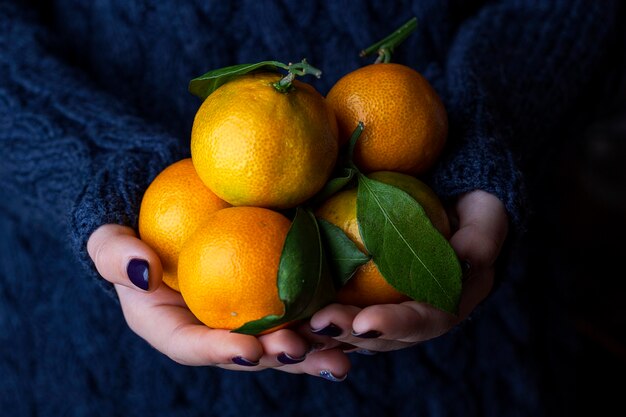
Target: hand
column 159, row 315
column 482, row 230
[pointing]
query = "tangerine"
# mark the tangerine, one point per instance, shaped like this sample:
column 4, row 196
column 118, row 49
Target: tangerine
column 405, row 122
column 367, row 286
column 228, row 269
column 174, row 205
column 255, row 146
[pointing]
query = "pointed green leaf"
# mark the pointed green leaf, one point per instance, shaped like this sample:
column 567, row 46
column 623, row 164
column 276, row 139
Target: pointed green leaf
column 344, row 257
column 345, row 172
column 407, row 249
column 334, row 185
column 205, row 84
column 304, row 281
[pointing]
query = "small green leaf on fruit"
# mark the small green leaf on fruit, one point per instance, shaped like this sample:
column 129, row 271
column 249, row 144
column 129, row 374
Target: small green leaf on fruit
column 345, row 172
column 334, row 185
column 407, row 249
column 304, row 281
column 344, row 257
column 205, row 84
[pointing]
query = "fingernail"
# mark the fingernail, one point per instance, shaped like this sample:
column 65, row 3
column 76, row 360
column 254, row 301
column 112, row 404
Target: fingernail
column 138, row 273
column 240, row 360
column 287, row 359
column 465, row 269
column 326, row 374
column 371, row 334
column 331, row 330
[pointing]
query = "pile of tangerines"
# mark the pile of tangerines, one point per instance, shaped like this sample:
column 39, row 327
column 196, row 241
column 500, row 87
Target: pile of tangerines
column 263, row 143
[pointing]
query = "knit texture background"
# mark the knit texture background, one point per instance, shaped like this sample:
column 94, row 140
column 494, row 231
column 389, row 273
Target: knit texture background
column 93, row 105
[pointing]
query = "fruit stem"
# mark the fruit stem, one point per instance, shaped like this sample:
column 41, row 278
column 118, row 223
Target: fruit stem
column 352, row 143
column 284, row 85
column 385, row 46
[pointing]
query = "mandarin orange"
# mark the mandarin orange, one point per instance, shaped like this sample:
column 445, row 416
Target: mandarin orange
column 405, row 122
column 255, row 146
column 367, row 286
column 228, row 269
column 172, row 208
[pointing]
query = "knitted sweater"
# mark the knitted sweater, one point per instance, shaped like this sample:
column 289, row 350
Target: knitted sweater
column 93, row 105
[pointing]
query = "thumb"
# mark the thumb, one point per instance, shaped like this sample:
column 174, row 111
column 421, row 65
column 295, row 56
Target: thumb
column 121, row 258
column 483, row 226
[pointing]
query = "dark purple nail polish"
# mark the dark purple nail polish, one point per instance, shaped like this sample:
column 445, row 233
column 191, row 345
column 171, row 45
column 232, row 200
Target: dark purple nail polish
column 331, row 330
column 288, row 359
column 138, row 273
column 371, row 334
column 240, row 360
column 329, row 376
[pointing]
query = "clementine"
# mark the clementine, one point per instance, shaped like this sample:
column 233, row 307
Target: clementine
column 255, row 146
column 228, row 268
column 172, row 208
column 405, row 121
column 367, row 286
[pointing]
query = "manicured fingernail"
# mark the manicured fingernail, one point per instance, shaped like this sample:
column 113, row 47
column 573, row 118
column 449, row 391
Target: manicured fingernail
column 240, row 360
column 138, row 273
column 329, row 376
column 331, row 330
column 287, row 359
column 371, row 334
column 465, row 269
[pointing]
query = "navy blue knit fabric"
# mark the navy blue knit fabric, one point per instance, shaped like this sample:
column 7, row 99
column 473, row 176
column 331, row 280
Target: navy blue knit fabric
column 93, row 104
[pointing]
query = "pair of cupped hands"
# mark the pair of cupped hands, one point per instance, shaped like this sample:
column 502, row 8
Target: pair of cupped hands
column 319, row 346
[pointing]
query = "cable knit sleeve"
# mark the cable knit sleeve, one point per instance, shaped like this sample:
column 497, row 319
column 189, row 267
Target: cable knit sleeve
column 73, row 157
column 512, row 73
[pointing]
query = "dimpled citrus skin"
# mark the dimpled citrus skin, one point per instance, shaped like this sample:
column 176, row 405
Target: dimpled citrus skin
column 172, row 208
column 405, row 122
column 367, row 286
column 255, row 146
column 228, row 268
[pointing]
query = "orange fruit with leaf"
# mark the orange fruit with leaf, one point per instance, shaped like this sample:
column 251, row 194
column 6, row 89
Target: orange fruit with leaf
column 227, row 270
column 368, row 286
column 256, row 144
column 406, row 123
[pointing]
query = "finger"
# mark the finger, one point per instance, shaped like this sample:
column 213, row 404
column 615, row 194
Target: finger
column 283, row 347
column 333, row 320
column 331, row 364
column 475, row 290
column 329, row 325
column 483, row 226
column 121, row 258
column 173, row 330
column 409, row 322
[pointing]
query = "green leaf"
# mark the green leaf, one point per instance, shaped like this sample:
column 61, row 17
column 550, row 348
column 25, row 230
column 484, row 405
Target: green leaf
column 344, row 256
column 304, row 281
column 345, row 172
column 334, row 185
column 407, row 249
column 205, row 84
